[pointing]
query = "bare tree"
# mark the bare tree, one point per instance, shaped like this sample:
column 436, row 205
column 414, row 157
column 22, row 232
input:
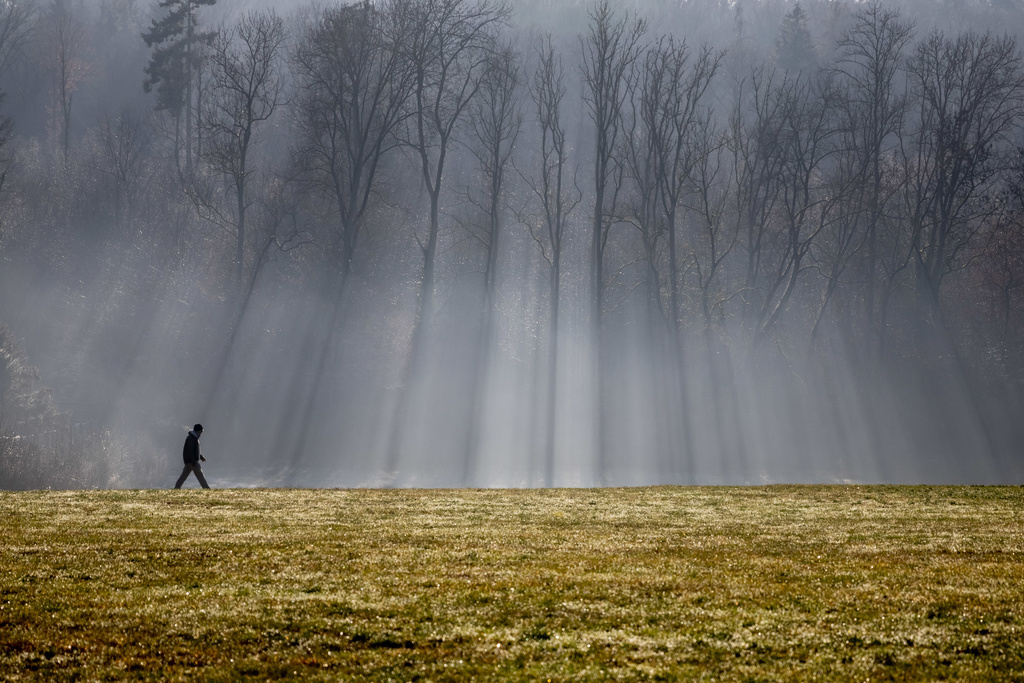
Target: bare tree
column 783, row 203
column 448, row 51
column 353, row 87
column 247, row 89
column 969, row 92
column 707, row 198
column 609, row 51
column 754, row 141
column 872, row 112
column 557, row 200
column 674, row 118
column 638, row 156
column 15, row 32
column 495, row 121
column 64, row 57
column 808, row 203
column 496, row 118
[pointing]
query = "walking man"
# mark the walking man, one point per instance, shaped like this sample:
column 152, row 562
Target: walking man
column 192, row 456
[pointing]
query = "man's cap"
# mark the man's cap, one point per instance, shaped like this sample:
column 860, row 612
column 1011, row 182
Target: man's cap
column 197, row 428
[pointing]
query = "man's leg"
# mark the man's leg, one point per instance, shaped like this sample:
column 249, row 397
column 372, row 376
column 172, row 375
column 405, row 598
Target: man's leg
column 197, row 468
column 184, row 476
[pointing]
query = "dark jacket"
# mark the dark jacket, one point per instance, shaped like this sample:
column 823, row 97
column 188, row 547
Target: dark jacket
column 190, row 453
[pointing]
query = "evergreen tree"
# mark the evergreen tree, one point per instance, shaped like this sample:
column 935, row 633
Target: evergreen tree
column 794, row 48
column 176, row 44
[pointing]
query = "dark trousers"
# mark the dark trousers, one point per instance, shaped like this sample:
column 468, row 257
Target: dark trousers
column 192, row 467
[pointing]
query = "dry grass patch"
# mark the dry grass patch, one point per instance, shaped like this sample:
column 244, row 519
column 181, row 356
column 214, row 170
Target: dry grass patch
column 840, row 583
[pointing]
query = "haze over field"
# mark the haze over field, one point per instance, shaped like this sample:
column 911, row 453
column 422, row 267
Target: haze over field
column 549, row 243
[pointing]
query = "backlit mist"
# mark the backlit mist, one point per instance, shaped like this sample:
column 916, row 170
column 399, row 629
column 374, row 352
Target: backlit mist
column 546, row 243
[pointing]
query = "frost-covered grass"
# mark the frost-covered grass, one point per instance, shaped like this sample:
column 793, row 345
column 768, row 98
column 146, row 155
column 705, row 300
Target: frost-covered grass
column 834, row 583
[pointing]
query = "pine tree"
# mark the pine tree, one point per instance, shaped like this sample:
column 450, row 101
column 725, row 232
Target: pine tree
column 794, row 48
column 176, row 44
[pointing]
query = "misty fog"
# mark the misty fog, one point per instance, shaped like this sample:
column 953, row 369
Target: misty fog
column 546, row 243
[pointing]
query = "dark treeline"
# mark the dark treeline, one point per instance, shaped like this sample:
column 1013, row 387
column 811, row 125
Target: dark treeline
column 460, row 242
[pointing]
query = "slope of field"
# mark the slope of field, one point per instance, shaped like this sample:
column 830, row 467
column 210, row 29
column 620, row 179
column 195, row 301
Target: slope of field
column 838, row 583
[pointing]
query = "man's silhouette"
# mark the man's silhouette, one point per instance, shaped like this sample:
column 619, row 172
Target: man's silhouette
column 191, row 455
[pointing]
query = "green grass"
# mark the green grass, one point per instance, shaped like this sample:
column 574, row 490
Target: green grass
column 834, row 583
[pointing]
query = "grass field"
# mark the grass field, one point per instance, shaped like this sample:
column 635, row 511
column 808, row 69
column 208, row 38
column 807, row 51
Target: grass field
column 833, row 583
